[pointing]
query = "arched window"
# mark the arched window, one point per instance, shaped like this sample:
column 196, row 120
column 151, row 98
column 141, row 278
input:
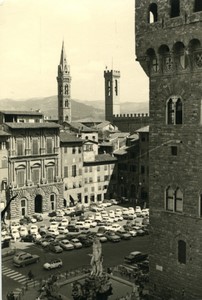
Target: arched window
column 197, row 5
column 182, row 252
column 166, row 58
column 66, row 103
column 66, row 118
column 178, row 200
column 169, row 199
column 52, row 201
column 174, row 111
column 175, row 8
column 66, row 89
column 153, row 13
column 152, row 60
column 180, row 55
column 116, row 87
column 23, row 207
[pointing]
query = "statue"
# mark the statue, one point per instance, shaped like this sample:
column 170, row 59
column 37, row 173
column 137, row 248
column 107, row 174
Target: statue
column 97, row 258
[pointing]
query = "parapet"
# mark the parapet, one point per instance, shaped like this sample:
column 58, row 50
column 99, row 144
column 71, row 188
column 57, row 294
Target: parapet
column 142, row 115
column 112, row 73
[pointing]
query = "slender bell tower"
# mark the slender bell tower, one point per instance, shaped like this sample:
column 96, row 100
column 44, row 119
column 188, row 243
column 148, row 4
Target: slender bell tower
column 64, row 89
column 112, row 94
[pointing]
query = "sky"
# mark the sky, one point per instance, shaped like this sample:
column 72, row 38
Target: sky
column 96, row 33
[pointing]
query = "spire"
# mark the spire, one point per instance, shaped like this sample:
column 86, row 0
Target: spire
column 63, row 59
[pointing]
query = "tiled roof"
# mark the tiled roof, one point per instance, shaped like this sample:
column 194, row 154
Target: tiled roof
column 120, row 152
column 32, row 125
column 81, row 127
column 143, row 129
column 18, row 112
column 119, row 135
column 104, row 157
column 3, row 133
column 103, row 124
column 68, row 137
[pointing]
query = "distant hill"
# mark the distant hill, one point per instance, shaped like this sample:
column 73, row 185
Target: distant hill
column 91, row 109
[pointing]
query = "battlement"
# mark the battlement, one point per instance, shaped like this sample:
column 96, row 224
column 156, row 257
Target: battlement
column 121, row 116
column 112, row 73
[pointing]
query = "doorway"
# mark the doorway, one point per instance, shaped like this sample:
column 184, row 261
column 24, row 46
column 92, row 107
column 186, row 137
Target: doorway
column 38, row 204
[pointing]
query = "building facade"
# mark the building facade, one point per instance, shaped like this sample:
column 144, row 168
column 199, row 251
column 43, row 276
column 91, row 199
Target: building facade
column 169, row 49
column 33, row 168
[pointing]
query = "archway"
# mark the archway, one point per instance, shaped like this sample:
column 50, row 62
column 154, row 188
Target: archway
column 38, row 204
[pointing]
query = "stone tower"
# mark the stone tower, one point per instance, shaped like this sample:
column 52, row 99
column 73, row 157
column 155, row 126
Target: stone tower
column 112, row 94
column 169, row 49
column 64, row 89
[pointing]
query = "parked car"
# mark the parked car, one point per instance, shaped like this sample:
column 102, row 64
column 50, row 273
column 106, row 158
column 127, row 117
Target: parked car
column 72, row 228
column 53, row 264
column 64, row 222
column 69, row 210
column 23, row 231
column 45, row 241
column 77, row 244
column 118, row 212
column 33, row 229
column 42, row 229
column 114, row 201
column 115, row 227
column 66, row 244
column 53, row 231
column 25, row 220
column 5, row 243
column 62, row 229
column 112, row 236
column 15, row 234
column 91, row 223
column 23, row 259
column 52, row 214
column 135, row 256
column 86, row 241
column 55, row 247
column 60, row 213
column 101, row 237
column 79, row 224
column 124, row 235
column 140, row 232
column 14, row 225
column 29, row 238
column 54, row 225
column 38, row 217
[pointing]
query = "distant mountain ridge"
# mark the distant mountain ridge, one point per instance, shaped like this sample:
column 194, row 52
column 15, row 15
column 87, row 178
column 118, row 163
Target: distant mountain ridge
column 91, row 109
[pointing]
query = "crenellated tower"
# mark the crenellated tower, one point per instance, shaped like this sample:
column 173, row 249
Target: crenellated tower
column 64, row 89
column 169, row 49
column 112, row 94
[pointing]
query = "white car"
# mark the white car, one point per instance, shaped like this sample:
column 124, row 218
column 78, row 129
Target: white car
column 62, row 229
column 111, row 213
column 53, row 264
column 79, row 224
column 101, row 237
column 98, row 217
column 138, row 210
column 34, row 229
column 145, row 212
column 15, row 234
column 14, row 225
column 125, row 211
column 23, row 231
column 115, row 227
column 64, row 222
column 77, row 244
column 91, row 223
column 91, row 217
column 131, row 209
column 119, row 217
column 60, row 213
column 108, row 219
column 66, row 245
column 54, row 224
column 118, row 212
column 53, row 231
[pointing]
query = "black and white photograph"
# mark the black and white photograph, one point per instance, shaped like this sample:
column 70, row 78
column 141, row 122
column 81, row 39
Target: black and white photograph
column 100, row 158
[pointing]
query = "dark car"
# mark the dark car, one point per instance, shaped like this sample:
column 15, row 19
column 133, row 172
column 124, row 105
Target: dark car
column 72, row 228
column 112, row 237
column 5, row 243
column 52, row 214
column 23, row 259
column 144, row 265
column 76, row 213
column 86, row 242
column 124, row 235
column 38, row 217
column 25, row 220
column 29, row 238
column 135, row 257
column 55, row 247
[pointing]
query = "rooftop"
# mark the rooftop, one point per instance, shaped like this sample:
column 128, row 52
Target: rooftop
column 143, row 129
column 21, row 112
column 69, row 137
column 32, row 125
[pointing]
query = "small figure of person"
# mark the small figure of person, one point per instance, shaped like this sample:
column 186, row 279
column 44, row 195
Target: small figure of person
column 30, row 275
